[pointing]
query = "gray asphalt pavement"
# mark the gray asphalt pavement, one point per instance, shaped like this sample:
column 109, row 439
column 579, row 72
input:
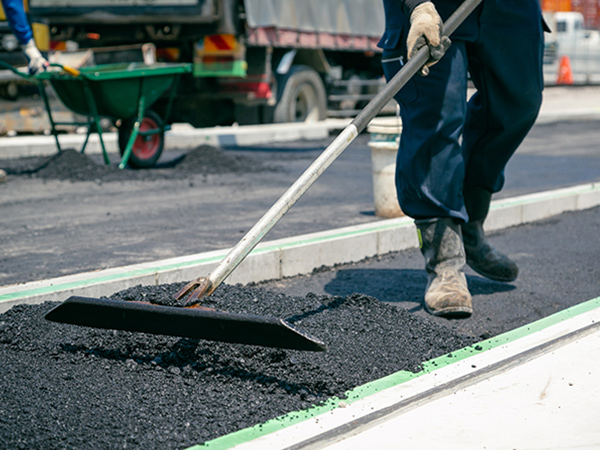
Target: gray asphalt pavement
column 50, row 228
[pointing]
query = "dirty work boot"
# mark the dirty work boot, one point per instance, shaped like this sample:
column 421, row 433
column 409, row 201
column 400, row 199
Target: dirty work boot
column 481, row 256
column 441, row 244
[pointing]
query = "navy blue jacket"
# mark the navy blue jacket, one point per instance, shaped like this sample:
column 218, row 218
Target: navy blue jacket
column 17, row 20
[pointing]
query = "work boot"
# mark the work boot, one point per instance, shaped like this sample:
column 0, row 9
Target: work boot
column 481, row 256
column 441, row 244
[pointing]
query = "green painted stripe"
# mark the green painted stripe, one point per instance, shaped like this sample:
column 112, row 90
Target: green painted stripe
column 203, row 260
column 103, row 279
column 366, row 390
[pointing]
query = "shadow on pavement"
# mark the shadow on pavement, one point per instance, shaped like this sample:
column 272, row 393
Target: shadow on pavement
column 400, row 285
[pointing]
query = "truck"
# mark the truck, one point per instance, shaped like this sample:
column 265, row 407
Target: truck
column 571, row 47
column 254, row 61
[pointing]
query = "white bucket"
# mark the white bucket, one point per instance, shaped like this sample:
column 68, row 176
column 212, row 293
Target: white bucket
column 385, row 137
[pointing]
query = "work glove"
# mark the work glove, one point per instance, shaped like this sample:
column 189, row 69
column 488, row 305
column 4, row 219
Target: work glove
column 36, row 61
column 426, row 29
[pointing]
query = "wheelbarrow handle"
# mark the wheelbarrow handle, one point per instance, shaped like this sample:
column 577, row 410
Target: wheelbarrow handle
column 15, row 70
column 67, row 69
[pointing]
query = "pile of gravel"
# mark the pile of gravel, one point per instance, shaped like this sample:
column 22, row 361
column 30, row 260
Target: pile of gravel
column 212, row 160
column 71, row 165
column 64, row 386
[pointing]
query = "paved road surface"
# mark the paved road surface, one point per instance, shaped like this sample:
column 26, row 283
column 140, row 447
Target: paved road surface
column 50, row 228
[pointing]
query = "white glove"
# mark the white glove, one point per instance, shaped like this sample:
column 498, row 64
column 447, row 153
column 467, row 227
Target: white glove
column 426, row 29
column 36, row 60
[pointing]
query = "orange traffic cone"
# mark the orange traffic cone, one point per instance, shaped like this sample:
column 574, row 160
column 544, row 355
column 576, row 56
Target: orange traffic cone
column 565, row 74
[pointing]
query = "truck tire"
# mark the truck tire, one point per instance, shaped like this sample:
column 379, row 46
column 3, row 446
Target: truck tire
column 146, row 149
column 301, row 96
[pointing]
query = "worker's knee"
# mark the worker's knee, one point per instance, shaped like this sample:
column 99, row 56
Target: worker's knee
column 530, row 105
column 523, row 112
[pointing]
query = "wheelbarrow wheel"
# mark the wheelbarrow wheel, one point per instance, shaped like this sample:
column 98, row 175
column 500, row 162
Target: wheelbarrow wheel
column 146, row 149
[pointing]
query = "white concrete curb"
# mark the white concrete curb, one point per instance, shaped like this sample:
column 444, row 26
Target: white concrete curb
column 181, row 136
column 295, row 255
column 184, row 136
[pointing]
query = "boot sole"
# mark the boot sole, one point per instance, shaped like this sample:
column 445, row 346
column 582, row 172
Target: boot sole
column 454, row 312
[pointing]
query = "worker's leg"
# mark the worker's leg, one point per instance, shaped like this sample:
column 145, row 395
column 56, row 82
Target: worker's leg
column 506, row 67
column 430, row 174
column 430, row 167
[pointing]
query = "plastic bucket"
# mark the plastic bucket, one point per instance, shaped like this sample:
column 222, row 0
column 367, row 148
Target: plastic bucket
column 385, row 137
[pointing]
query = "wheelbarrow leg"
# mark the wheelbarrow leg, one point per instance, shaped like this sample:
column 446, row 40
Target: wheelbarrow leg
column 136, row 128
column 42, row 90
column 90, row 129
column 96, row 122
column 172, row 94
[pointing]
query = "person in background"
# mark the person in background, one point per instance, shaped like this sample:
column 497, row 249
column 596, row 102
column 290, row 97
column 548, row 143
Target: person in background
column 19, row 24
column 453, row 152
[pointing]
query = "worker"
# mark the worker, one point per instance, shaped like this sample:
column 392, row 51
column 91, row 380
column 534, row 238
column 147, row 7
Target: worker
column 17, row 20
column 453, row 152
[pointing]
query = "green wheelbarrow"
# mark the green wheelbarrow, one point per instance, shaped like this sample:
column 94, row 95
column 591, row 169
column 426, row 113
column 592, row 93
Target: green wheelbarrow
column 122, row 92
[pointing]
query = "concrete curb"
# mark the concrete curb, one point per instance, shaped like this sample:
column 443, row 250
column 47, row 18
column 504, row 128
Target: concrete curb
column 294, row 255
column 181, row 136
column 184, row 136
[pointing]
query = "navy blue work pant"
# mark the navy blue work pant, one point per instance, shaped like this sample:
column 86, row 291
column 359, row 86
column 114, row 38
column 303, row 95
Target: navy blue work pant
column 449, row 144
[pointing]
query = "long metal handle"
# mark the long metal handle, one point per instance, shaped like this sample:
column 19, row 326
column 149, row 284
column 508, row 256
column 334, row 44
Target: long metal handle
column 237, row 254
column 68, row 69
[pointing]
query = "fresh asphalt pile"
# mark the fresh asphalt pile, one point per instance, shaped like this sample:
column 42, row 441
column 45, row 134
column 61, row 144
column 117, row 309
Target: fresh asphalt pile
column 65, row 386
column 74, row 166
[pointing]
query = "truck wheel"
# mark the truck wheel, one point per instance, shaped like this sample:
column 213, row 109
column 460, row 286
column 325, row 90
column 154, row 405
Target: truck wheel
column 301, row 96
column 9, row 91
column 146, row 149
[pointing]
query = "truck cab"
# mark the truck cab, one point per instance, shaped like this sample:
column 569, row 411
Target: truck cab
column 569, row 28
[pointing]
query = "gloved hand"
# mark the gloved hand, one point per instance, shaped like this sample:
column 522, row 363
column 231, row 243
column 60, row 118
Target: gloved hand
column 36, row 60
column 426, row 29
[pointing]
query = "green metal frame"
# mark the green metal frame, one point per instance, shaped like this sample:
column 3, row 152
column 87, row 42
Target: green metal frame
column 92, row 124
column 140, row 116
column 117, row 91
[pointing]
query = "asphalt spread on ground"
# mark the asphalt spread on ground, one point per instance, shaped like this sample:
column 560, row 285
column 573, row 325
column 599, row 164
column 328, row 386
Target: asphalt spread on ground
column 65, row 386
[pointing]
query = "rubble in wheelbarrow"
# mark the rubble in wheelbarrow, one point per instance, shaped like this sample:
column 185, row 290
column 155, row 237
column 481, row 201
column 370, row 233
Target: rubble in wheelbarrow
column 65, row 386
